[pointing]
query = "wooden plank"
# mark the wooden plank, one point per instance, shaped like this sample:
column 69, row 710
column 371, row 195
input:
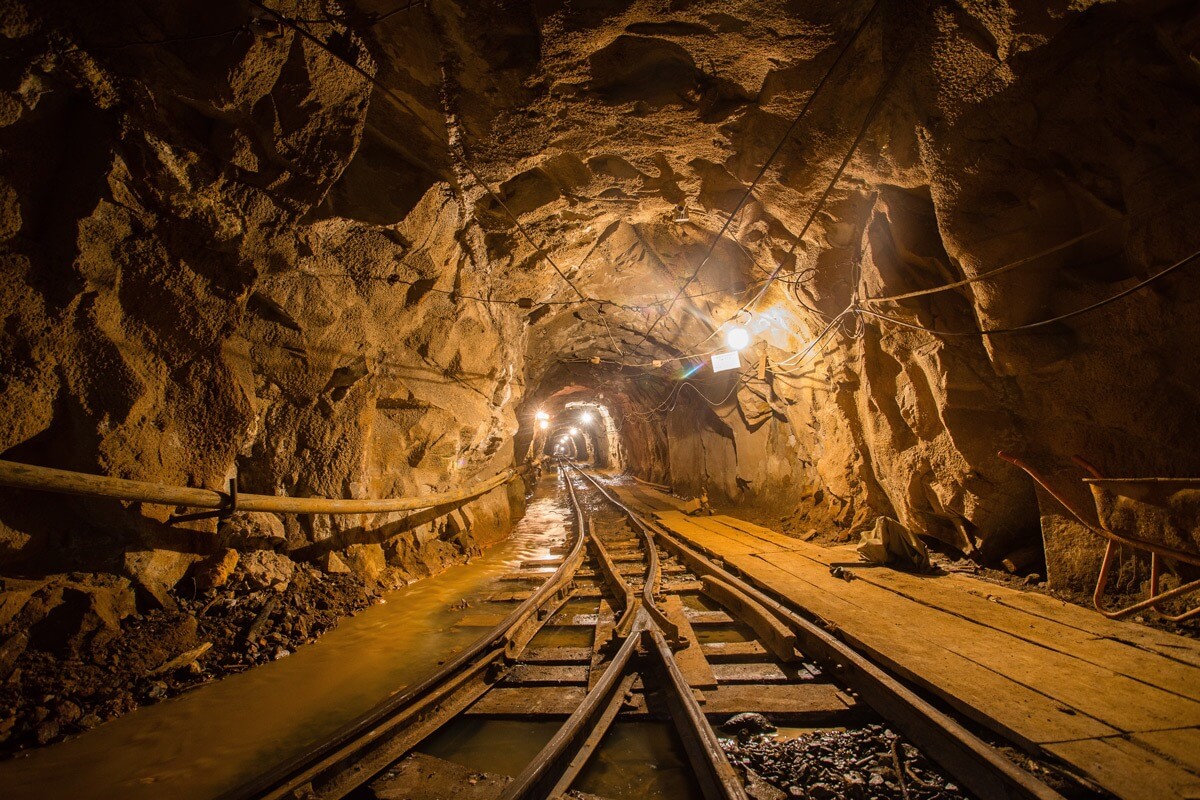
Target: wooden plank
column 556, row 655
column 1181, row 746
column 727, row 539
column 690, row 658
column 750, row 672
column 1179, row 648
column 797, row 701
column 749, row 532
column 530, row 701
column 1127, row 770
column 1115, row 699
column 972, row 602
column 708, row 617
column 985, row 695
column 545, row 675
column 774, row 635
column 604, row 629
column 733, row 651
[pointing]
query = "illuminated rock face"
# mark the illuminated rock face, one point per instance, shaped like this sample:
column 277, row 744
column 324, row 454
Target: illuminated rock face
column 225, row 250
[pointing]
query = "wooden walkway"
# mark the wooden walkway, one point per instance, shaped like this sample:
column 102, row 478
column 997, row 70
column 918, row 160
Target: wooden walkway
column 1118, row 702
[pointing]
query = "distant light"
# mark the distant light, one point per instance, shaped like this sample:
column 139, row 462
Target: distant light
column 586, row 417
column 574, row 431
column 541, row 415
column 543, row 423
column 737, row 338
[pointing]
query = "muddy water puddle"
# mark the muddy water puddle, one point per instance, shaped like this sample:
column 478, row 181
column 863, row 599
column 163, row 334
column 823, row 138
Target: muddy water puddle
column 563, row 636
column 498, row 746
column 639, row 760
column 219, row 735
column 722, row 632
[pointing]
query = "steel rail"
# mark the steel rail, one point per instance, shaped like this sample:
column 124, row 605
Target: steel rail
column 717, row 778
column 653, row 570
column 329, row 762
column 573, row 743
column 621, row 589
column 48, row 479
column 973, row 763
column 556, row 766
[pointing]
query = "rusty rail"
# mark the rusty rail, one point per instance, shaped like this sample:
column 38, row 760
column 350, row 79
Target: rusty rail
column 974, row 763
column 357, row 752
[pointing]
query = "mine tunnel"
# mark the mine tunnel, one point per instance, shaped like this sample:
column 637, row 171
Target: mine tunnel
column 605, row 399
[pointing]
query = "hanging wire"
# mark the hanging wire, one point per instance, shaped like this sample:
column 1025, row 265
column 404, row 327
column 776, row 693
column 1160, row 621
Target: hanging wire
column 1043, row 323
column 538, row 247
column 763, row 171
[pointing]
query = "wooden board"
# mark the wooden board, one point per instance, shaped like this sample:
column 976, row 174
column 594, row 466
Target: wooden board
column 1128, row 770
column 1042, row 672
column 604, row 628
column 733, row 651
column 1181, row 746
column 690, row 658
column 556, row 655
column 815, row 701
column 532, row 701
column 750, row 672
column 545, row 675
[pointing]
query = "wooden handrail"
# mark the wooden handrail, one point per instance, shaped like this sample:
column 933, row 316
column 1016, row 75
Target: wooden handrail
column 47, row 479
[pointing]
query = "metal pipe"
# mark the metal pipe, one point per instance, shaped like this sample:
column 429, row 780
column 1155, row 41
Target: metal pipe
column 47, row 479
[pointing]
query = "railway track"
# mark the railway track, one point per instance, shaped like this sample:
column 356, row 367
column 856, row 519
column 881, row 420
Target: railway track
column 631, row 625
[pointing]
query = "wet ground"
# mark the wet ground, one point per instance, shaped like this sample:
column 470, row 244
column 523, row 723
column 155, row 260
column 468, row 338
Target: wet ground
column 216, row 736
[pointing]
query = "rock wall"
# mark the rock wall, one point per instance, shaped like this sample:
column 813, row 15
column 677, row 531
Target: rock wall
column 234, row 248
column 176, row 311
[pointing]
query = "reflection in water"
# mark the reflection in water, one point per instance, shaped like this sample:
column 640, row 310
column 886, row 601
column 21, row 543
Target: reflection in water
column 213, row 738
column 639, row 760
column 498, row 746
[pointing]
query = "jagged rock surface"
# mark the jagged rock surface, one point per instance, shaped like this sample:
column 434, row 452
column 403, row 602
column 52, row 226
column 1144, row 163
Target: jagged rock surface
column 226, row 251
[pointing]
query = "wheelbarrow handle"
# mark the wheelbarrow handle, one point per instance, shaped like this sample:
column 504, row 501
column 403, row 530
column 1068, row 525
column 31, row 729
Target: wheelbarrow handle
column 1088, row 467
column 1076, row 510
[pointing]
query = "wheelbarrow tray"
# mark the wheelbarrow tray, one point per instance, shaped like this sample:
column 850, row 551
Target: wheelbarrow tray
column 1162, row 511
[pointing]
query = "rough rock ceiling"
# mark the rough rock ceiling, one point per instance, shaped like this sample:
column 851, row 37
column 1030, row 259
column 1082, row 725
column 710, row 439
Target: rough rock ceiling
column 255, row 240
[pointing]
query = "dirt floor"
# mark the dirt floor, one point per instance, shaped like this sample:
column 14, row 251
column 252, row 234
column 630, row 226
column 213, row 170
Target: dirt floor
column 85, row 661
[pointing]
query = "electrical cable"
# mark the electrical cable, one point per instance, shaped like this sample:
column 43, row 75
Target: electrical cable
column 539, row 248
column 763, row 171
column 991, row 273
column 1042, row 323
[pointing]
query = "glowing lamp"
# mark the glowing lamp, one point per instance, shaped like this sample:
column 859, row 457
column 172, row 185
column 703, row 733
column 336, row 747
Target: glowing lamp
column 543, row 424
column 586, row 417
column 574, row 431
column 541, row 416
column 737, row 338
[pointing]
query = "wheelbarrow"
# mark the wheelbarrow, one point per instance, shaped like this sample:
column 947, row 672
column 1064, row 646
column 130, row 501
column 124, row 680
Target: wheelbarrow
column 1159, row 516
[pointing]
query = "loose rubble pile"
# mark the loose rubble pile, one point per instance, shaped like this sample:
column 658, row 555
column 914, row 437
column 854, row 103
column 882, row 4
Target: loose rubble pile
column 869, row 763
column 79, row 651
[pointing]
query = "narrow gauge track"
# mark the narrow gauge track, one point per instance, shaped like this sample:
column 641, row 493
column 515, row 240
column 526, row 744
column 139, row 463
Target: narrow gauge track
column 672, row 634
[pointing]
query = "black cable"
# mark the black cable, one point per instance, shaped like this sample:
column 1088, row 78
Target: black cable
column 1042, row 323
column 538, row 247
column 763, row 171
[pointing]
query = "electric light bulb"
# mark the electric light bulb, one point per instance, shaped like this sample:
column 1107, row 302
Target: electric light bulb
column 737, row 338
column 574, row 431
column 543, row 424
column 586, row 417
column 541, row 415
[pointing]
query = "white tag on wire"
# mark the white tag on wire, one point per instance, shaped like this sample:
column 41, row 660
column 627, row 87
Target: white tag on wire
column 726, row 361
